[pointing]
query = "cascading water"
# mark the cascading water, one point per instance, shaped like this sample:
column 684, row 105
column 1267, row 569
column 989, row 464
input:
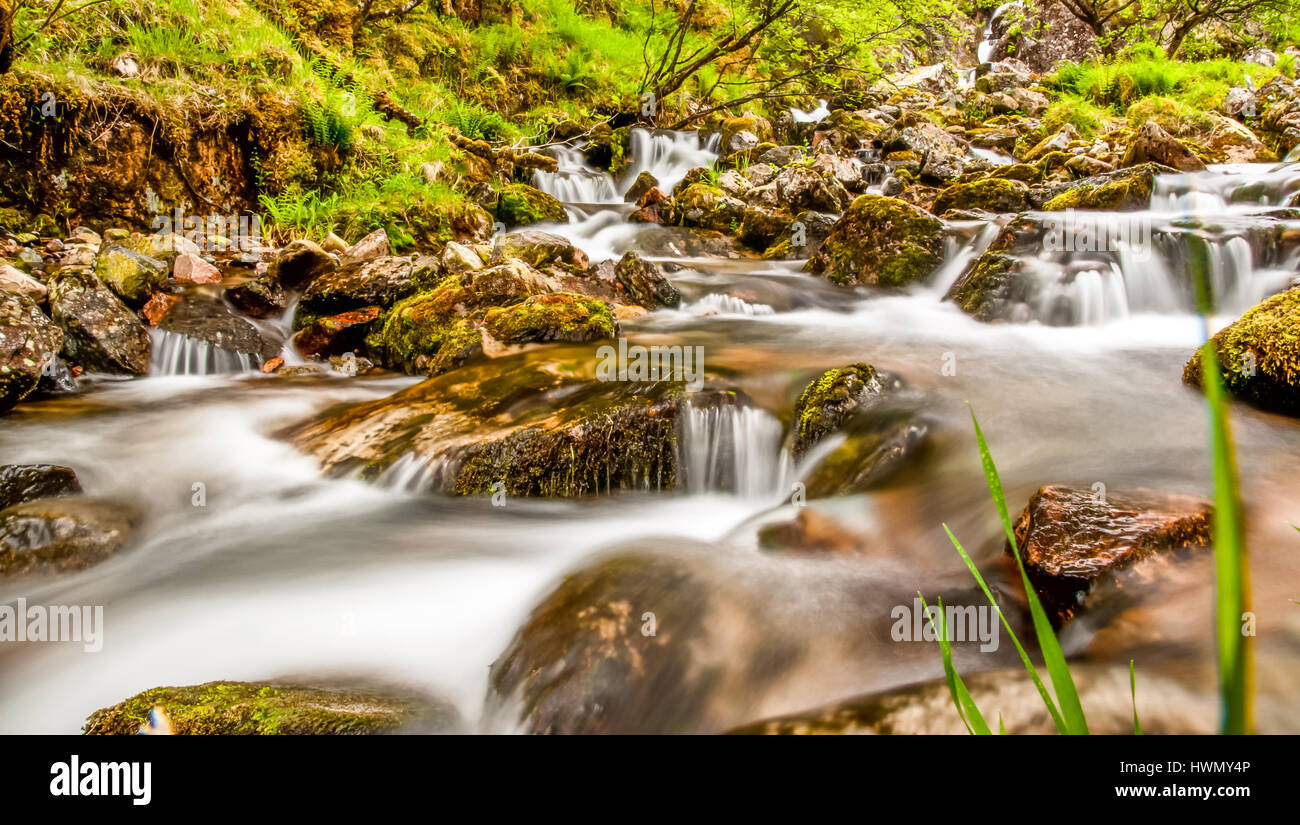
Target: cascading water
column 177, row 354
column 734, row 449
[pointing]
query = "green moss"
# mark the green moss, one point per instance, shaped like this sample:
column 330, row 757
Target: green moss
column 519, row 204
column 991, row 194
column 411, row 333
column 880, row 241
column 827, row 400
column 563, row 316
column 1259, row 355
column 996, row 281
column 224, row 708
column 1128, row 189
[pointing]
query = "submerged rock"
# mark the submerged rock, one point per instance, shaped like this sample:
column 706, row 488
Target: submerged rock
column 101, row 333
column 59, row 535
column 28, row 342
column 27, row 482
column 276, row 708
column 1070, row 538
column 1259, row 355
column 880, row 241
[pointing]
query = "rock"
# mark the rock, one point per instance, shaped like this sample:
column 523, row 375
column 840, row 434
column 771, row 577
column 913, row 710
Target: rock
column 208, row 320
column 777, row 156
column 645, row 283
column 335, row 334
column 1152, row 144
column 457, row 258
column 880, row 241
column 1123, row 189
column 802, row 188
column 1259, row 355
column 831, row 398
column 191, row 269
column 27, row 482
column 16, row 281
column 552, row 317
column 1238, row 100
column 519, row 204
column 133, row 276
column 278, row 708
column 942, row 155
column 802, row 237
column 1030, row 102
column 538, row 249
column 1055, row 142
column 333, row 243
column 125, row 66
column 741, row 141
column 500, row 284
column 259, row 297
column 302, row 262
column 990, row 194
column 370, row 248
column 29, row 341
column 708, row 207
column 1235, row 142
column 380, row 282
column 1070, row 538
column 158, row 306
column 760, row 227
column 60, row 535
column 159, row 245
column 810, row 532
column 100, row 332
column 994, row 286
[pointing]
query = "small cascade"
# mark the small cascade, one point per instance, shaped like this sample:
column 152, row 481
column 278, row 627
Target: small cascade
column 733, row 449
column 177, row 354
column 416, row 474
column 575, row 181
column 817, row 115
column 1245, row 186
column 984, row 52
column 722, row 304
column 668, row 155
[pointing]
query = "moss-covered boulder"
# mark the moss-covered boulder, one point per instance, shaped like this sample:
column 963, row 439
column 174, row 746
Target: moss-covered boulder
column 519, row 204
column 830, row 398
column 1121, row 190
column 994, row 287
column 990, row 194
column 1259, row 355
column 273, row 708
column 59, row 535
column 133, row 276
column 28, row 342
column 880, row 241
column 705, row 206
column 381, row 282
column 560, row 316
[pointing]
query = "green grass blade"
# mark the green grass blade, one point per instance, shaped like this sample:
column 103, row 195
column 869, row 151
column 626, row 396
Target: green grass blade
column 1057, row 669
column 966, row 707
column 1024, row 656
column 1133, row 689
column 1231, row 577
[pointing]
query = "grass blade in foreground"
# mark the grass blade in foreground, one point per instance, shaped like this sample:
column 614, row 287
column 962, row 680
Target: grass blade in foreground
column 966, row 707
column 1133, row 689
column 1231, row 577
column 1057, row 669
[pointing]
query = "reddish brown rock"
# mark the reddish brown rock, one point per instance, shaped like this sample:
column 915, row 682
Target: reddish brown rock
column 335, row 334
column 158, row 306
column 190, row 268
column 1071, row 538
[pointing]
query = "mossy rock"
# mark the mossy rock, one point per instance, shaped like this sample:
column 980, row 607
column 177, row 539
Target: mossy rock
column 990, row 194
column 270, row 709
column 997, row 283
column 131, row 275
column 1259, row 355
column 1123, row 189
column 831, row 398
column 880, row 241
column 1025, row 172
column 519, row 204
column 563, row 316
column 381, row 282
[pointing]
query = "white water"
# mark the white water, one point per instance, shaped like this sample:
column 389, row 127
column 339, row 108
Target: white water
column 177, row 354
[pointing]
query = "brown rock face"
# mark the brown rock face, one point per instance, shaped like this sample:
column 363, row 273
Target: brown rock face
column 1070, row 538
column 1153, row 144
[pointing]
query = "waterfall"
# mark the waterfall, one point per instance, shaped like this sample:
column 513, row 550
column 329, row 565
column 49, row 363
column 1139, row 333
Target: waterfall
column 177, row 354
column 733, row 449
column 412, row 473
column 668, row 155
column 574, row 181
column 721, row 304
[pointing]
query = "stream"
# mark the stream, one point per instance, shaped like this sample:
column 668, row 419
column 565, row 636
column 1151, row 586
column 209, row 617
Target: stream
column 283, row 571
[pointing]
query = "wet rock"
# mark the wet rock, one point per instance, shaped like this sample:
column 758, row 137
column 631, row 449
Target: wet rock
column 644, row 183
column 208, row 320
column 16, row 281
column 800, row 188
column 370, row 248
column 810, row 532
column 1123, row 189
column 1152, row 144
column 335, row 334
column 301, row 262
column 519, row 204
column 100, row 332
column 645, row 283
column 60, row 535
column 831, row 398
column 191, row 269
column 994, row 286
column 278, row 708
column 1235, row 142
column 1259, row 355
column 381, row 282
column 551, row 317
column 538, row 249
column 802, row 237
column 457, row 258
column 761, row 227
column 708, row 207
column 259, row 297
column 27, row 482
column 941, row 155
column 28, row 343
column 501, row 284
column 133, row 276
column 990, row 194
column 1070, row 538
column 880, row 241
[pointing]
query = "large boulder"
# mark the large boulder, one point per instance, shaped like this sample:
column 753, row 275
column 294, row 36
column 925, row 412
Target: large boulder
column 276, row 708
column 882, row 242
column 100, row 332
column 58, row 535
column 800, row 188
column 28, row 342
column 301, row 262
column 1151, row 144
column 1123, row 189
column 990, row 194
column 1259, row 355
column 538, row 249
column 519, row 204
column 1071, row 538
column 831, row 398
column 645, row 283
column 131, row 275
